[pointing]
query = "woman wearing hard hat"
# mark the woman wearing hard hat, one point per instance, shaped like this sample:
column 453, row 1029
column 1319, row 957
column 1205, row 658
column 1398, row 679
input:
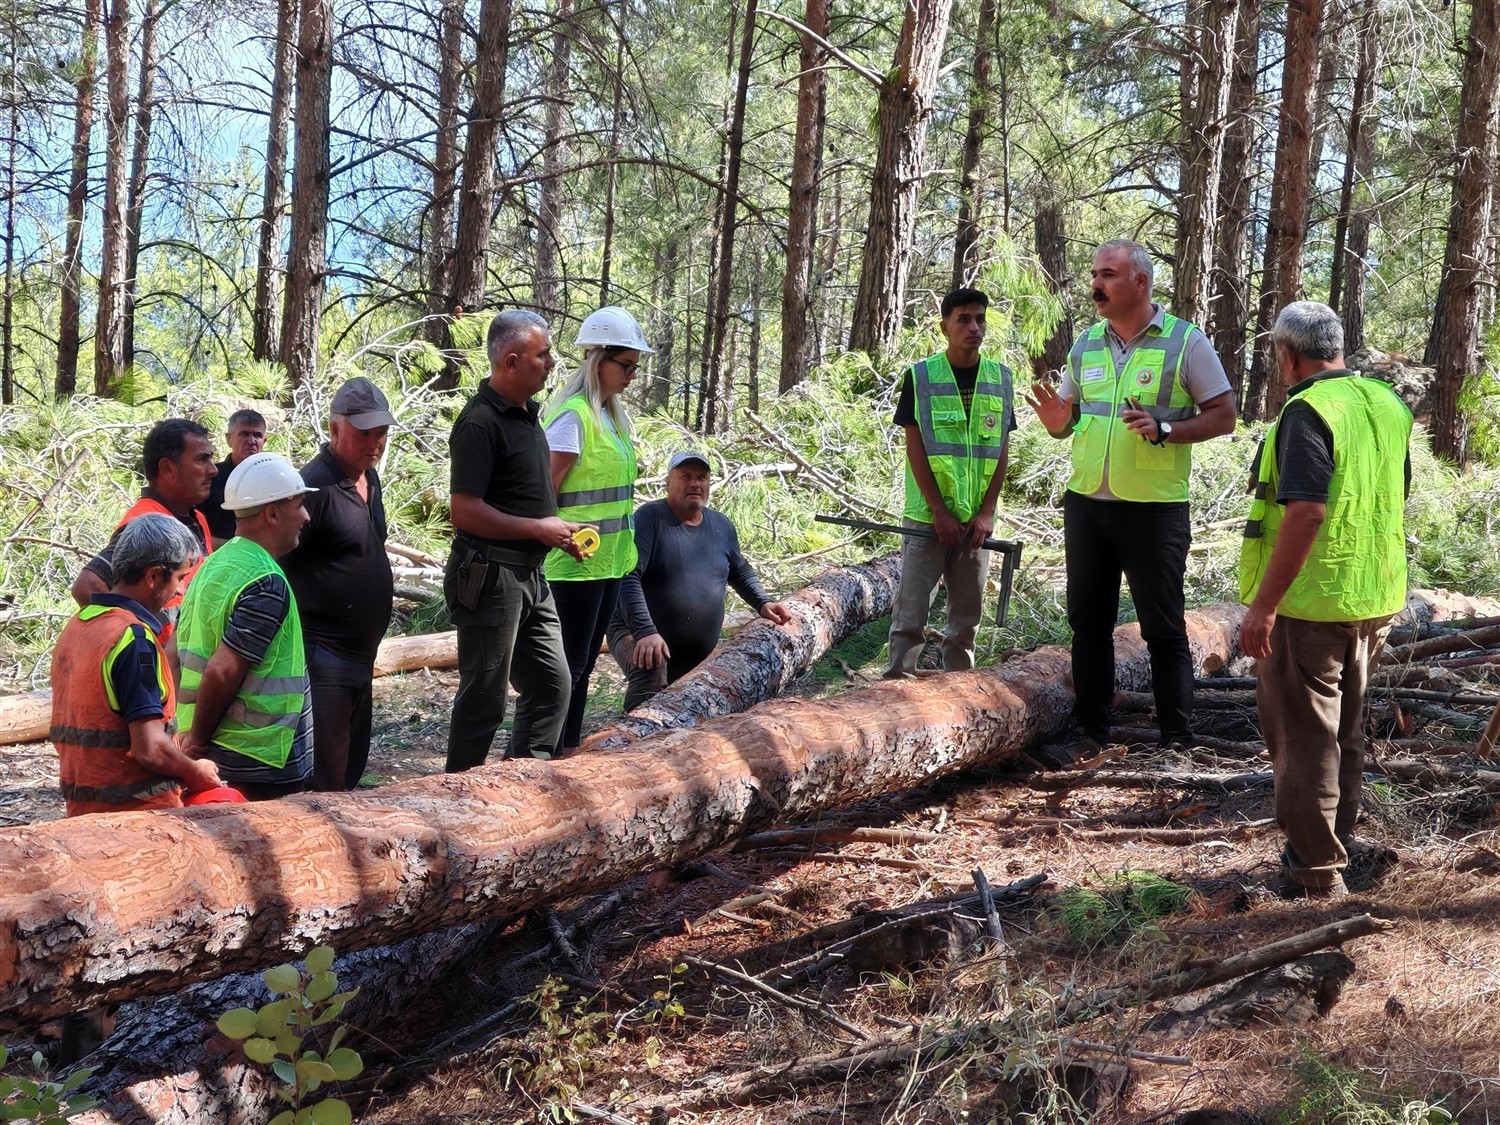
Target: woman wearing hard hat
column 593, row 471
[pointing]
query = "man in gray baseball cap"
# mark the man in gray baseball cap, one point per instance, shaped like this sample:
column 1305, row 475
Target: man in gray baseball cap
column 671, row 607
column 342, row 579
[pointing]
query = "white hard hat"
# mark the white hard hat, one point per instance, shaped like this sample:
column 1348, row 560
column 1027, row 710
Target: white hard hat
column 262, row 479
column 612, row 327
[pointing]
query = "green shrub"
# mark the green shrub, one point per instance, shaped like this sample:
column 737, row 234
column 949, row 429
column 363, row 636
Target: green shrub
column 41, row 1102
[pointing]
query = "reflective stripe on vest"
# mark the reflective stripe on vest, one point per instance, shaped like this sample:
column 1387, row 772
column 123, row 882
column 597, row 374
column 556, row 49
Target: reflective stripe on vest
column 599, row 490
column 962, row 448
column 1357, row 567
column 1138, row 470
column 261, row 721
column 96, row 772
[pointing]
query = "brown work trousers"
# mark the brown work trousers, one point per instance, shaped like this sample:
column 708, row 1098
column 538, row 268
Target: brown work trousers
column 1311, row 693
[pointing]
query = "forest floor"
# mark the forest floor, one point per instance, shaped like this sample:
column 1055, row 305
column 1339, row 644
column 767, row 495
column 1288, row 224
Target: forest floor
column 628, row 1032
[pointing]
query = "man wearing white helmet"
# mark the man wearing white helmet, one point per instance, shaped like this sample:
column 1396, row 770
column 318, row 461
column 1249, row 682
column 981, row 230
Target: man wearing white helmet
column 244, row 703
column 593, row 470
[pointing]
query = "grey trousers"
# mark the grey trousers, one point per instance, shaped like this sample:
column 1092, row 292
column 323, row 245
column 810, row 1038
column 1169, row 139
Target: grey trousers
column 923, row 562
column 1311, row 696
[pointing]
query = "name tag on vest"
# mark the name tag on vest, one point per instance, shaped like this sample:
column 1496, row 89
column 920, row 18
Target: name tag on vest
column 1093, row 374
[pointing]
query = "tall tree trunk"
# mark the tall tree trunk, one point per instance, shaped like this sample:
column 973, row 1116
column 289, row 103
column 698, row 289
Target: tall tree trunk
column 140, row 158
column 12, row 156
column 1230, row 311
column 1346, row 274
column 306, row 258
column 966, row 239
column 716, row 391
column 716, row 228
column 476, row 201
column 549, row 289
column 1052, row 254
column 613, row 181
column 802, row 209
column 68, row 328
column 1465, row 261
column 757, row 318
column 906, row 98
column 439, row 237
column 664, row 330
column 1198, row 203
column 833, row 223
column 1286, row 229
column 266, row 337
column 109, row 330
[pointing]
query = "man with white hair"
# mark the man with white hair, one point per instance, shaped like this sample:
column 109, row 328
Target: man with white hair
column 1141, row 387
column 1322, row 570
column 114, row 705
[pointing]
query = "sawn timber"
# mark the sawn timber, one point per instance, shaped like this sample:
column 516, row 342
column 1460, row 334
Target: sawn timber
column 109, row 907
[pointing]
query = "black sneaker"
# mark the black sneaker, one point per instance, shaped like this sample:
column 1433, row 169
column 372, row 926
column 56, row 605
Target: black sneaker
column 1368, row 861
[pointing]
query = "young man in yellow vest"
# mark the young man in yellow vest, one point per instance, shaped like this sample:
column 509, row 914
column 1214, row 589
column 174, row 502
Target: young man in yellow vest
column 1140, row 388
column 1322, row 569
column 957, row 411
column 245, row 699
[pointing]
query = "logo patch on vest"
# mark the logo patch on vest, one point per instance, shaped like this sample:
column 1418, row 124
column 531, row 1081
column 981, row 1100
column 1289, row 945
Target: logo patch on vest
column 1093, row 374
column 1145, row 376
column 989, row 421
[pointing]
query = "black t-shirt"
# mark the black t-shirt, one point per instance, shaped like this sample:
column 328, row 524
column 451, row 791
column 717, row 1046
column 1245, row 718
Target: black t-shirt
column 906, row 404
column 499, row 453
column 338, row 569
column 1305, row 458
column 220, row 522
column 677, row 587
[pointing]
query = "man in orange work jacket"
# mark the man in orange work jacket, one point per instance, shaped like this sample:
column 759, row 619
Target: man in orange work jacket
column 113, row 701
column 178, row 463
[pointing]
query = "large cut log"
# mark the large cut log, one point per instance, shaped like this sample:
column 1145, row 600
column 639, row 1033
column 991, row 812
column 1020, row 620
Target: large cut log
column 26, row 717
column 760, row 660
column 110, row 907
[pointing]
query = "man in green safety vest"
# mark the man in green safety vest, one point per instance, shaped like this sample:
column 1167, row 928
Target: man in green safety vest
column 957, row 411
column 1323, row 570
column 1141, row 386
column 245, row 702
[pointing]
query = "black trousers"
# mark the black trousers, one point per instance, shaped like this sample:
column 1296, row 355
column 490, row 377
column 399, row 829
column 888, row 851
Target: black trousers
column 343, row 702
column 511, row 638
column 584, row 609
column 1148, row 545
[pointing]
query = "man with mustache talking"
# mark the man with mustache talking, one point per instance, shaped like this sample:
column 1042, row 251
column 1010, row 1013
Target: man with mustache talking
column 1141, row 386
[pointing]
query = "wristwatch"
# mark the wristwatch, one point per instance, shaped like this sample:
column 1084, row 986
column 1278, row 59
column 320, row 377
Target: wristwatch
column 1163, row 432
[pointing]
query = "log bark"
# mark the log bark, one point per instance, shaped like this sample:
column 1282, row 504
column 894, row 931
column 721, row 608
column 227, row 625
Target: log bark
column 110, row 907
column 762, row 659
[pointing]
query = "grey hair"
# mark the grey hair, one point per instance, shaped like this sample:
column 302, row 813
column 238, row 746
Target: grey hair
column 506, row 331
column 1140, row 259
column 1311, row 329
column 150, row 541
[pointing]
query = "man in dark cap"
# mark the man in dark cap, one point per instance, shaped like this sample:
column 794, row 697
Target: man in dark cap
column 342, row 579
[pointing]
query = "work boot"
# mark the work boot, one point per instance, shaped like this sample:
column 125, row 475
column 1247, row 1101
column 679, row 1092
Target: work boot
column 1282, row 885
column 1368, row 861
column 1061, row 756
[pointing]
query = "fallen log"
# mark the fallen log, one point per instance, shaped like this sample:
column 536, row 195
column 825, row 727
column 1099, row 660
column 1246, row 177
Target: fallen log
column 25, row 717
column 108, row 907
column 762, row 658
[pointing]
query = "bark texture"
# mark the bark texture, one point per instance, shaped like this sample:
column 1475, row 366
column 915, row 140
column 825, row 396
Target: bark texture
column 966, row 238
column 1052, row 254
column 135, row 206
column 1467, row 269
column 802, row 212
column 266, row 341
column 109, row 328
column 761, row 659
column 307, row 256
column 1203, row 156
column 905, row 108
column 68, row 334
column 1286, row 231
column 106, row 908
column 549, row 287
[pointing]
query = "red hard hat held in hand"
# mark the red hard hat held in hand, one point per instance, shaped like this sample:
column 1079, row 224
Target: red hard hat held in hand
column 222, row 795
